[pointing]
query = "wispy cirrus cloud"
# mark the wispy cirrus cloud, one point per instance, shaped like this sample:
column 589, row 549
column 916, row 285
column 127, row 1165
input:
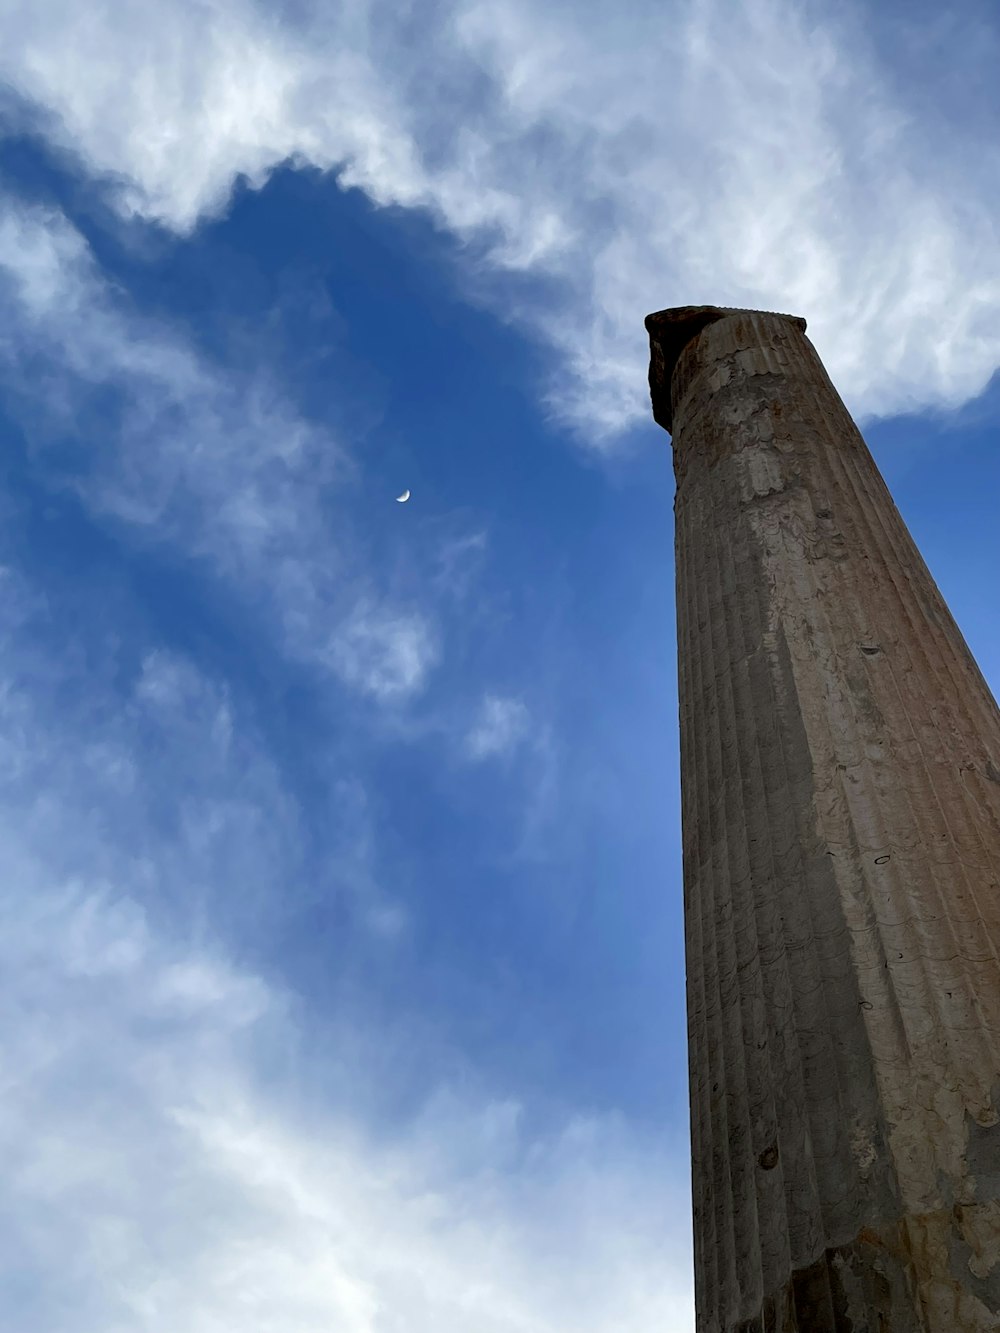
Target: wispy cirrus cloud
column 501, row 726
column 385, row 653
column 767, row 157
column 158, row 1181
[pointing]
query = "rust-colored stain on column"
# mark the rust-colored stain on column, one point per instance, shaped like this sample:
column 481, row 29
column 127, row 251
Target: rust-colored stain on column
column 841, row 807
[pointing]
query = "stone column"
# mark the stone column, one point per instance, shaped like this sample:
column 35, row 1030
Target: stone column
column 841, row 809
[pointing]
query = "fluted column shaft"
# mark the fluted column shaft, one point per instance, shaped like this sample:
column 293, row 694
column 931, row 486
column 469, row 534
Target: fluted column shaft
column 841, row 812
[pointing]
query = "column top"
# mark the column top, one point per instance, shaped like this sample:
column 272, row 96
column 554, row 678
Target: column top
column 669, row 333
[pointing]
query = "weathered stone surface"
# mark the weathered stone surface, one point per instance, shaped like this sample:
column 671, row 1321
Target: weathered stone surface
column 841, row 809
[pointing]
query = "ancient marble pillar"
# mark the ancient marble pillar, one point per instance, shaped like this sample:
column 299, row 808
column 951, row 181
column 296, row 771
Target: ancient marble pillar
column 841, row 809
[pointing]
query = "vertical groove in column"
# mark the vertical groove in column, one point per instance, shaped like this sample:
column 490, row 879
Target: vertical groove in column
column 782, row 1071
column 841, row 777
column 706, row 1244
column 764, row 1190
column 715, row 890
column 730, row 1016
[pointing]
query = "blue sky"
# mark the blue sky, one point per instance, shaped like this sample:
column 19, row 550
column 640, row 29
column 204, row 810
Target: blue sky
column 339, row 839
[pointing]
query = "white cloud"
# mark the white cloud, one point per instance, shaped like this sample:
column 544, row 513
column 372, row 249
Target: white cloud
column 156, row 1181
column 386, row 653
column 764, row 156
column 500, row 728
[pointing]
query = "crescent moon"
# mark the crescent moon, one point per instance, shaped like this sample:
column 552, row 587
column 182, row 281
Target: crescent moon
column 402, row 499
